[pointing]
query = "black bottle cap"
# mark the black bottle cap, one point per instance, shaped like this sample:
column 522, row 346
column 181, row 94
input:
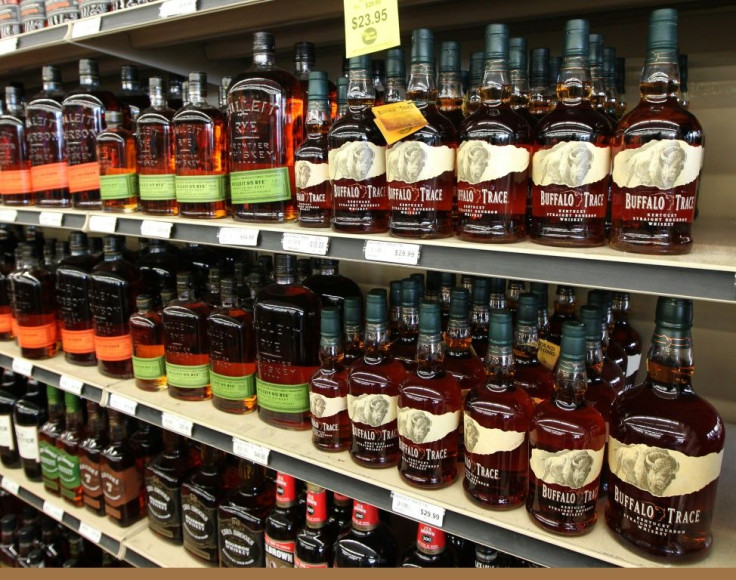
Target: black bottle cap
column 555, row 64
column 144, row 302
column 682, row 61
column 35, row 557
column 263, row 42
column 528, row 309
column 577, row 38
column 329, row 325
column 410, row 293
column 184, row 278
column 477, row 64
column 352, row 308
column 88, row 66
column 500, row 328
column 113, row 244
column 419, row 277
column 609, row 62
column 592, row 317
column 481, row 291
column 284, row 264
column 518, row 54
column 596, row 50
column 378, row 67
column 51, row 74
column 674, row 313
column 620, row 74
column 430, row 321
column 459, row 299
column 448, row 279
column 600, row 298
column 497, row 42
column 362, row 62
column 27, row 534
column 395, row 63
column 8, row 523
column 450, row 56
column 128, row 72
column 113, row 117
column 422, row 46
column 375, row 308
column 662, row 30
column 498, row 285
column 342, row 90
column 304, row 51
column 539, row 70
column 434, row 281
column 395, row 288
column 572, row 345
column 318, row 89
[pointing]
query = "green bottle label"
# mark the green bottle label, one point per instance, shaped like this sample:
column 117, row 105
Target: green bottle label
column 283, row 398
column 121, row 186
column 260, row 186
column 188, row 377
column 149, row 369
column 157, row 187
column 232, row 388
column 49, row 464
column 69, row 474
column 200, row 188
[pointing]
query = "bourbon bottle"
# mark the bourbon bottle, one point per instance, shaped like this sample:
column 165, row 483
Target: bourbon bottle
column 479, row 316
column 620, row 86
column 430, row 550
column 565, row 305
column 449, row 84
column 117, row 158
column 609, row 372
column 90, row 452
column 353, row 328
column 48, row 435
column 539, row 83
column 472, row 98
column 519, row 76
column 67, row 445
column 122, row 480
column 147, row 336
column 541, row 291
column 626, row 336
column 332, row 287
column 368, row 544
column 315, row 540
column 10, row 391
column 530, row 374
column 612, row 351
column 404, row 348
column 15, row 186
column 163, row 479
column 282, row 524
column 460, row 358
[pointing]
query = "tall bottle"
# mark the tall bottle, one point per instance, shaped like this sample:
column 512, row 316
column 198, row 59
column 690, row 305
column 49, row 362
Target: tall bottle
column 565, row 306
column 265, row 110
column 16, row 187
column 68, row 443
column 7, row 331
column 404, row 349
column 568, row 439
column 342, row 98
column 368, row 544
column 84, row 118
column 395, row 75
column 287, row 348
column 529, row 374
column 598, row 90
column 90, row 454
column 612, row 351
column 200, row 154
column 147, row 338
column 282, row 524
column 122, row 480
column 10, row 392
column 493, row 156
column 449, row 85
column 158, row 267
column 519, row 77
column 357, row 159
column 626, row 336
column 665, row 449
column 118, row 160
column 163, row 479
column 430, row 550
column 28, row 416
column 315, row 540
column 539, row 83
column 460, row 358
column 420, row 168
column 555, row 65
column 606, row 370
column 570, row 167
column 48, row 435
column 378, row 68
column 621, row 86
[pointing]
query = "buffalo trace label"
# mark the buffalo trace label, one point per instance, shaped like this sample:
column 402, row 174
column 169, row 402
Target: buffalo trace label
column 481, row 440
column 663, row 164
column 424, row 437
column 420, row 176
column 358, row 170
column 324, row 413
column 373, row 422
column 312, row 185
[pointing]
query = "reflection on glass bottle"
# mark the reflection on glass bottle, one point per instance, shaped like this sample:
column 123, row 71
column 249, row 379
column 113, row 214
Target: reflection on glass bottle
column 117, row 158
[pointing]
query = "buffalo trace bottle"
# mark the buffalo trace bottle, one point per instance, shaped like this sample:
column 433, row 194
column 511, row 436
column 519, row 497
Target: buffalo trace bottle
column 232, row 353
column 15, row 187
column 571, row 163
column 115, row 283
column 90, row 451
column 460, row 358
column 519, row 77
column 404, row 347
column 665, row 449
column 368, row 544
column 48, row 434
column 200, row 154
column 357, row 159
column 473, row 99
column 530, row 375
column 84, row 118
column 312, row 174
column 29, row 415
column 497, row 420
column 282, row 524
column 395, row 76
column 479, row 316
column 610, row 107
column 430, row 550
column 353, row 328
column 156, row 154
column 316, row 539
column 328, row 388
column 420, row 167
column 613, row 353
column 67, row 445
column 373, row 392
column 625, row 335
column 117, row 157
column 598, row 93
column 658, row 154
column 567, row 438
column 449, row 85
column 541, row 291
column 286, row 320
column 265, row 112
column 147, row 337
column 429, row 409
column 493, row 156
column 539, row 83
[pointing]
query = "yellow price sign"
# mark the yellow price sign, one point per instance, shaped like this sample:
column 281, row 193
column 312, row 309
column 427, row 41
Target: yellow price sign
column 397, row 120
column 370, row 26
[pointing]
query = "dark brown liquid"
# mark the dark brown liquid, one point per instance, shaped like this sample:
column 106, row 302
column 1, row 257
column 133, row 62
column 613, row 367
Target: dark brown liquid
column 330, row 433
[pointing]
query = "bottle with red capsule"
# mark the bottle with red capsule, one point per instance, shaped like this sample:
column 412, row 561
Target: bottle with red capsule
column 315, row 541
column 282, row 524
column 368, row 544
column 430, row 550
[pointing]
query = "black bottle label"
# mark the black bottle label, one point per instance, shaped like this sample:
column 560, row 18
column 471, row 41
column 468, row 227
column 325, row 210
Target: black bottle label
column 200, row 527
column 241, row 546
column 164, row 507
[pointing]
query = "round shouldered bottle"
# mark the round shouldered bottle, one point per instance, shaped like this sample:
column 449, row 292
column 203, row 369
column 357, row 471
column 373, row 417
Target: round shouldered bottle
column 368, row 544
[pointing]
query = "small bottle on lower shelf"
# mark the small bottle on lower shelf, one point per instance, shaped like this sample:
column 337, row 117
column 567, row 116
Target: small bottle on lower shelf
column 282, row 524
column 315, row 541
column 368, row 544
column 430, row 550
column 117, row 157
column 147, row 336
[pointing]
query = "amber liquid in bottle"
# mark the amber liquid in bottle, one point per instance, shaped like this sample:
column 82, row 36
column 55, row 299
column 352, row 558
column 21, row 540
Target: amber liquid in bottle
column 163, row 478
column 529, row 374
column 117, row 157
column 147, row 336
column 70, row 476
column 565, row 305
column 460, row 358
column 15, row 187
column 626, row 336
column 122, row 481
column 404, row 349
column 90, row 452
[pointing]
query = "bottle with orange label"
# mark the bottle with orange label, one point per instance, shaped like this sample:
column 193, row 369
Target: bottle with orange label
column 6, row 314
column 117, row 156
column 15, row 185
column 430, row 550
column 282, row 524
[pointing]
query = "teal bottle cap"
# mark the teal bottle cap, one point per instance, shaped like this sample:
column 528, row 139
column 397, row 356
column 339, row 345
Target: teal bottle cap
column 395, row 63
column 380, row 292
column 430, row 318
column 395, row 289
column 477, row 64
column 448, row 279
column 540, row 290
column 342, row 90
column 362, row 62
column 592, row 317
column 375, row 308
column 410, row 293
column 572, row 346
column 318, row 85
column 329, row 325
column 539, row 69
column 663, row 31
column 528, row 309
column 596, row 50
column 422, row 46
column 500, row 328
column 577, row 38
column 450, row 56
column 600, row 298
column 609, row 62
column 498, row 285
column 497, row 42
column 517, row 54
column 459, row 299
column 71, row 401
column 481, row 291
column 419, row 277
column 353, row 311
column 674, row 313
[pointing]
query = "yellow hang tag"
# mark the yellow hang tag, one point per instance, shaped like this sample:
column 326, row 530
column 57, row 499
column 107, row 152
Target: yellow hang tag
column 370, row 26
column 398, row 120
column 548, row 353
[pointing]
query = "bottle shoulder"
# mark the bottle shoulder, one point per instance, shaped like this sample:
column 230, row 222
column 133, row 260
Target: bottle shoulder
column 357, row 125
column 252, row 81
column 573, row 123
column 498, row 125
column 665, row 120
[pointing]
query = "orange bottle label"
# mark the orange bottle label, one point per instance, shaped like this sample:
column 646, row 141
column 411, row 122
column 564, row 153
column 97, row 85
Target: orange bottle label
column 113, row 348
column 37, row 336
column 78, row 341
column 84, row 177
column 50, row 176
column 6, row 322
column 16, row 181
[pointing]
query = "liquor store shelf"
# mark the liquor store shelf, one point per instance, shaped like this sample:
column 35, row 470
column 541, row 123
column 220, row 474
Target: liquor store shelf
column 292, row 452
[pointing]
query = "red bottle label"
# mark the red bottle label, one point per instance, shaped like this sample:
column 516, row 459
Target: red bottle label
column 279, row 554
column 316, row 506
column 285, row 488
column 364, row 515
column 430, row 539
column 313, row 188
column 654, row 206
column 340, row 497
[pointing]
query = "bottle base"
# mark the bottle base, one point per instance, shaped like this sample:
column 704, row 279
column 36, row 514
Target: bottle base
column 669, row 553
column 375, row 463
column 428, row 483
column 563, row 528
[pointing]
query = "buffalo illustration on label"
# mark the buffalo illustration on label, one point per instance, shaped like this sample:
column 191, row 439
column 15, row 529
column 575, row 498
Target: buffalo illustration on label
column 373, row 410
column 572, row 164
column 663, row 164
column 357, row 160
column 571, row 468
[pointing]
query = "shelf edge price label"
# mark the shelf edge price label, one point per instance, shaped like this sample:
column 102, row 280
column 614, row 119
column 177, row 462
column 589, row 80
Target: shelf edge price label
column 370, row 26
column 54, row 511
column 22, row 367
column 177, row 8
column 10, row 485
column 122, row 404
column 51, row 219
column 156, row 229
column 238, row 237
column 86, row 27
column 8, row 45
column 305, row 244
column 417, row 509
column 393, row 252
column 251, row 451
column 176, row 424
column 92, row 534
column 103, row 224
column 8, row 215
column 67, row 383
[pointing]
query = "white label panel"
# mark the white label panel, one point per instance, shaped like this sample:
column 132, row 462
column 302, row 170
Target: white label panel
column 156, row 229
column 305, row 244
column 52, row 510
column 51, row 219
column 177, row 424
column 417, row 510
column 10, row 485
column 177, row 8
column 103, row 224
column 90, row 533
column 392, row 252
column 122, row 404
column 22, row 367
column 86, row 27
column 250, row 451
column 8, row 215
column 238, row 237
column 70, row 384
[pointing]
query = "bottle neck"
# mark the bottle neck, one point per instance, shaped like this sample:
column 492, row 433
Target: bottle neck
column 131, row 86
column 593, row 353
column 185, row 293
column 570, row 383
column 500, row 367
column 117, row 430
column 660, row 81
column 377, row 340
column 565, row 304
column 598, row 94
column 395, row 90
column 526, row 339
column 409, row 323
column 497, row 87
column 89, row 80
column 450, row 86
column 430, row 354
column 302, row 67
column 520, row 82
column 670, row 363
column 157, row 98
column 51, row 87
column 264, row 58
column 497, row 301
column 285, row 277
column 331, row 353
column 197, row 94
column 74, row 419
column 95, row 424
column 113, row 255
column 574, row 85
column 318, row 118
column 458, row 335
column 361, row 92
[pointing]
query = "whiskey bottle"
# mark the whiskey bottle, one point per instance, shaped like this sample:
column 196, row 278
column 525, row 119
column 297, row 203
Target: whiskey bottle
column 122, row 480
column 565, row 305
column 200, row 154
column 514, row 290
column 84, row 118
column 265, row 108
column 429, row 409
column 241, row 519
column 394, row 312
column 117, row 157
column 357, row 159
column 598, row 90
column 570, row 166
column 316, row 539
column 146, row 442
column 479, row 316
column 10, row 392
column 404, row 349
column 158, row 267
column 61, row 12
column 530, row 375
column 287, row 347
column 493, row 156
column 147, row 337
column 48, row 435
column 303, row 64
column 67, row 445
column 6, row 314
column 460, row 358
column 115, row 283
column 539, row 83
column 232, row 353
column 328, row 390
column 684, row 97
column 368, row 544
column 341, row 512
column 449, row 85
column 353, row 328
column 605, row 368
column 342, row 98
column 51, row 544
column 620, row 86
column 130, row 96
column 282, row 524
column 420, row 168
column 312, row 174
column 15, row 164
column 73, row 284
column 373, row 392
column 658, row 154
column 8, row 546
column 610, row 107
column 665, row 449
column 473, row 98
column 332, row 287
column 612, row 351
column 395, row 76
column 430, row 550
column 567, row 438
column 90, row 453
column 626, row 336
column 519, row 77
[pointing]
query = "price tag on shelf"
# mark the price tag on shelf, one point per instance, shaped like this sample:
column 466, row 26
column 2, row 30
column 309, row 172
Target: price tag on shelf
column 10, row 485
column 52, row 510
column 156, row 229
column 305, row 244
column 51, row 219
column 22, row 367
column 70, row 384
column 122, row 404
column 176, row 424
column 417, row 510
column 393, row 252
column 8, row 215
column 86, row 26
column 370, row 26
column 92, row 534
column 103, row 224
column 8, row 45
column 177, row 8
column 250, row 451
column 238, row 237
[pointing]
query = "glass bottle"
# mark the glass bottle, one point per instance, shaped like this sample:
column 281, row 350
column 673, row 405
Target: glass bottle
column 447, row 284
column 519, row 77
column 8, row 547
column 530, row 375
column 514, row 290
column 175, row 95
column 282, row 524
column 27, row 536
column 131, row 97
column 539, row 83
column 368, row 544
column 429, row 410
column 312, row 175
column 420, row 168
column 606, row 370
column 610, row 107
column 404, row 349
column 378, row 68
column 48, row 435
column 7, row 331
column 158, row 268
column 357, row 159
column 395, row 75
column 473, row 98
column 163, row 479
column 658, row 154
column 612, row 351
column 315, row 540
column 373, row 392
column 287, row 348
column 12, row 390
column 232, row 353
column 341, row 512
column 555, row 65
column 332, row 287
column 200, row 154
column 626, row 336
column 146, row 443
column 430, row 550
column 567, row 438
column 241, row 519
column 449, row 86
column 494, row 155
column 265, row 108
column 117, row 158
column 84, row 118
column 51, row 544
column 16, row 188
column 565, row 306
column 598, row 91
column 479, row 316
column 342, row 98
column 67, row 445
column 303, row 64
column 353, row 328
column 90, row 454
column 394, row 315
column 621, row 86
column 115, row 283
column 571, row 162
column 460, row 358
column 147, row 337
column 665, row 449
